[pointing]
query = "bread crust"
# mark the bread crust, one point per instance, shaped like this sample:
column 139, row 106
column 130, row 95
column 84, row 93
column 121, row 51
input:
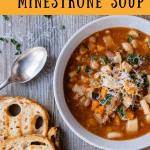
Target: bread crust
column 28, row 141
column 30, row 111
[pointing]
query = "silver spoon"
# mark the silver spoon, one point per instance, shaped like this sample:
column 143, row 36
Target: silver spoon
column 27, row 66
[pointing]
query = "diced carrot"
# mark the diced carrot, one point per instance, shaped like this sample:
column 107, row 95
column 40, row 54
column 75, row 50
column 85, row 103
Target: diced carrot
column 100, row 48
column 116, row 120
column 131, row 89
column 103, row 91
column 95, row 104
column 100, row 110
column 130, row 114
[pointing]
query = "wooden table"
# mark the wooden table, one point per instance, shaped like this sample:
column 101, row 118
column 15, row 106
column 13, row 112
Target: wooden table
column 32, row 31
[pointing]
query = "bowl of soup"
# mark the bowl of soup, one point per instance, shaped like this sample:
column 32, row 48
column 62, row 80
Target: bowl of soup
column 102, row 83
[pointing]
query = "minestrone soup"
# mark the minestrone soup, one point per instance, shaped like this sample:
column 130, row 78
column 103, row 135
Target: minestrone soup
column 106, row 83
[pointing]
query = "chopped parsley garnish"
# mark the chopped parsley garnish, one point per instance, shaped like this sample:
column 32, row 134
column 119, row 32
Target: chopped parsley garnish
column 123, row 70
column 146, row 83
column 103, row 76
column 88, row 70
column 143, row 74
column 137, row 81
column 62, row 27
column 108, row 62
column 18, row 53
column 133, row 59
column 121, row 108
column 121, row 95
column 103, row 59
column 47, row 16
column 107, row 99
column 3, row 39
column 79, row 68
column 95, row 95
column 122, row 113
column 93, row 57
column 18, row 47
column 134, row 92
column 130, row 38
column 132, row 75
column 149, row 44
column 6, row 17
column 95, row 80
column 16, row 43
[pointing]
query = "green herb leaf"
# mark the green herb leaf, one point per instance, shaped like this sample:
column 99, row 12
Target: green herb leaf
column 108, row 62
column 6, row 17
column 88, row 70
column 133, row 59
column 103, row 59
column 3, row 39
column 103, row 76
column 62, row 27
column 95, row 95
column 143, row 74
column 121, row 108
column 47, row 16
column 134, row 92
column 122, row 114
column 21, row 16
column 149, row 44
column 146, row 83
column 79, row 68
column 137, row 81
column 93, row 57
column 133, row 75
column 130, row 38
column 14, row 42
column 121, row 95
column 17, row 47
column 107, row 99
column 18, row 53
column 95, row 80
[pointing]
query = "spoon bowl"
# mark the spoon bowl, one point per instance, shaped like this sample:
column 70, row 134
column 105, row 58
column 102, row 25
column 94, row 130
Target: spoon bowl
column 27, row 66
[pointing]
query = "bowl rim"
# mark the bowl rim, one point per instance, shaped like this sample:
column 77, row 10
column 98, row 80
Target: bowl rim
column 55, row 80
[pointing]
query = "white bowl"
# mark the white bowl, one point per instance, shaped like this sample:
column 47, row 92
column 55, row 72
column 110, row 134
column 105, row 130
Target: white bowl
column 94, row 26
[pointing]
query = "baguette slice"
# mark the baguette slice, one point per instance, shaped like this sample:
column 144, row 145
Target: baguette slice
column 27, row 142
column 54, row 135
column 25, row 122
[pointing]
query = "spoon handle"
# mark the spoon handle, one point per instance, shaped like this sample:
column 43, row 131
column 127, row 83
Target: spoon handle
column 8, row 81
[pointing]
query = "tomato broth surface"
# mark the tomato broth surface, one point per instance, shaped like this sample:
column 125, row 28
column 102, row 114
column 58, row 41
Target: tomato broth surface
column 106, row 83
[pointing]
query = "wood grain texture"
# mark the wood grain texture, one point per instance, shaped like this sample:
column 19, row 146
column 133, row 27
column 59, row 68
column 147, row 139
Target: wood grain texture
column 32, row 31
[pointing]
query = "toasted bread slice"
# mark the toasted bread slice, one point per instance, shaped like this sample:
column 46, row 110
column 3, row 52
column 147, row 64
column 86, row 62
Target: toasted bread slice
column 23, row 123
column 53, row 135
column 27, row 142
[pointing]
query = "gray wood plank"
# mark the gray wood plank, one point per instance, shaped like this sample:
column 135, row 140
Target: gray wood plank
column 32, row 31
